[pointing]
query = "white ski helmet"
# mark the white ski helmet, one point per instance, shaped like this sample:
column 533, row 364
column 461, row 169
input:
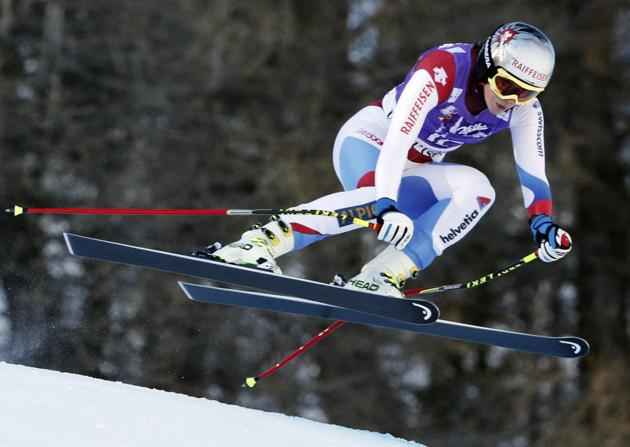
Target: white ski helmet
column 520, row 49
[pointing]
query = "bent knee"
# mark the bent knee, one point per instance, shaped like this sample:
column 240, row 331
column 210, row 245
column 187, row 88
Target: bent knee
column 486, row 192
column 473, row 182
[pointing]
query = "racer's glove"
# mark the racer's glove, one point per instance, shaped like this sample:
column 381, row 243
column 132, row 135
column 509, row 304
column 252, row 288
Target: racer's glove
column 554, row 242
column 396, row 227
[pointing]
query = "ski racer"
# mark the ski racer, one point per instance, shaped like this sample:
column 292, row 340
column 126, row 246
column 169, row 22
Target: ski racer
column 389, row 158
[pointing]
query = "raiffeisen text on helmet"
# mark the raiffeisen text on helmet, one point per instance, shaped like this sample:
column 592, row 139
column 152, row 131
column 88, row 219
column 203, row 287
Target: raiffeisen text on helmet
column 529, row 72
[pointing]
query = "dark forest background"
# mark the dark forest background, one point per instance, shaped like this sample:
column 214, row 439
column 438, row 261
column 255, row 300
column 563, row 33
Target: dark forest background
column 224, row 103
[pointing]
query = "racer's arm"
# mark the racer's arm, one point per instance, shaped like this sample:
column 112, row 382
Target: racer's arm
column 426, row 86
column 527, row 127
column 430, row 83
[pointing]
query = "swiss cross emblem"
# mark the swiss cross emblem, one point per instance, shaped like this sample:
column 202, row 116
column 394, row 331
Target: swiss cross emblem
column 440, row 76
column 507, row 35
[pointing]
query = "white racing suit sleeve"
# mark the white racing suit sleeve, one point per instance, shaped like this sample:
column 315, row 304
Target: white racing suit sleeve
column 527, row 128
column 417, row 99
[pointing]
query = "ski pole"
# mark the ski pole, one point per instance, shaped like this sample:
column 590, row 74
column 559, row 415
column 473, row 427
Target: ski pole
column 250, row 382
column 19, row 210
column 408, row 293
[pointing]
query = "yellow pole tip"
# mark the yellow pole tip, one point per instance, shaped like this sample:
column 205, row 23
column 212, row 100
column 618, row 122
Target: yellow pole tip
column 251, row 382
column 17, row 210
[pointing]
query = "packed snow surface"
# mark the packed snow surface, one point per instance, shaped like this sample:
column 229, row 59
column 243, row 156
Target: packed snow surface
column 49, row 408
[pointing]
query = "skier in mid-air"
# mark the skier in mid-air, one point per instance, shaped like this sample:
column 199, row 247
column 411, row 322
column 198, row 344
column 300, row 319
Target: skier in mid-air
column 389, row 160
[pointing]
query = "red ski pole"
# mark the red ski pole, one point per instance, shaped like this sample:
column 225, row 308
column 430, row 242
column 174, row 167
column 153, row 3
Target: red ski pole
column 19, row 210
column 251, row 381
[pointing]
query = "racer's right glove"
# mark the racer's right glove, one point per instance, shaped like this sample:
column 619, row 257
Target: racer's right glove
column 396, row 227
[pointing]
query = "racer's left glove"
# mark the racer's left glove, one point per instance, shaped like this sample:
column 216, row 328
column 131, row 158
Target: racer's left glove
column 554, row 242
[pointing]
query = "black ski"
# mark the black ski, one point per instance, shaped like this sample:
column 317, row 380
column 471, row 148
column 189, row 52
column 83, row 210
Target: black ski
column 410, row 310
column 571, row 347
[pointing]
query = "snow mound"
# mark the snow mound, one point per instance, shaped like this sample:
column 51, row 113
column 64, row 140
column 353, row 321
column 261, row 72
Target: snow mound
column 49, row 408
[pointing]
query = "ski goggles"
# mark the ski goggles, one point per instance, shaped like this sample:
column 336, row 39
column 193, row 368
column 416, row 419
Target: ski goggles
column 506, row 86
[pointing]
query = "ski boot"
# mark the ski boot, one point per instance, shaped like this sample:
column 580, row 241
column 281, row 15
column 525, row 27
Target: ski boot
column 256, row 248
column 386, row 274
